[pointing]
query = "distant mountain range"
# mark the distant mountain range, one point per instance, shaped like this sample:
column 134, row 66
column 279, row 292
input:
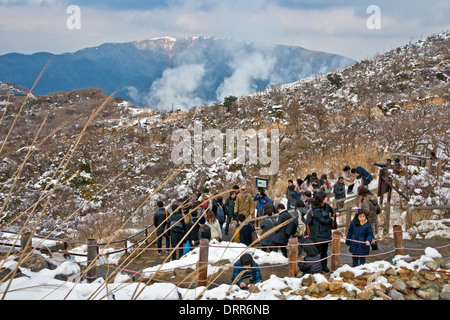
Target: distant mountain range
column 171, row 72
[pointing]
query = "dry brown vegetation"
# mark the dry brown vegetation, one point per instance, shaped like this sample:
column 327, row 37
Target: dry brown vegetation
column 395, row 102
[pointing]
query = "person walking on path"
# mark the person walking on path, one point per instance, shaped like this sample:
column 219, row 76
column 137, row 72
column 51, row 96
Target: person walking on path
column 159, row 221
column 261, row 199
column 321, row 227
column 339, row 192
column 229, row 210
column 268, row 223
column 213, row 223
column 177, row 229
column 192, row 227
column 281, row 238
column 204, row 231
column 244, row 203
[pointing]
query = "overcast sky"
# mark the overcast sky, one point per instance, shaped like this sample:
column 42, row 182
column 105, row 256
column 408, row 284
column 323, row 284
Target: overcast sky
column 336, row 26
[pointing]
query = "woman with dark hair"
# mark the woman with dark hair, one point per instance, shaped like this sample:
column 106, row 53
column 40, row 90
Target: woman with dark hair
column 305, row 186
column 325, row 186
column 361, row 232
column 213, row 223
column 321, row 227
column 310, row 263
column 261, row 199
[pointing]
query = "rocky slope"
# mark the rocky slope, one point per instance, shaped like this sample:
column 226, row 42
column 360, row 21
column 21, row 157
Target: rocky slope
column 396, row 102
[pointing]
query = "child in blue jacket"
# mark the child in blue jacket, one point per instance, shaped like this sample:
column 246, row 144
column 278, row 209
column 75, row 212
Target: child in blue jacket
column 360, row 231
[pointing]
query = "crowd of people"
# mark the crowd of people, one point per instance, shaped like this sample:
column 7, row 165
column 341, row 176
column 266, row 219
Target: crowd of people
column 308, row 215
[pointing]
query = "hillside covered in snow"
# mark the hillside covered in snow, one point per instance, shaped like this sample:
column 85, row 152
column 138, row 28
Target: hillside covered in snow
column 395, row 102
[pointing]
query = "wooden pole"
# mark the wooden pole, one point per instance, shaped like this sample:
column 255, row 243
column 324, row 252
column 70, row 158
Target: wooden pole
column 92, row 252
column 293, row 256
column 66, row 249
column 335, row 250
column 126, row 248
column 387, row 218
column 26, row 242
column 398, row 240
column 202, row 267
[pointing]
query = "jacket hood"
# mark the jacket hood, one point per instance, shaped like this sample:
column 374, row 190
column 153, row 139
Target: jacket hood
column 371, row 197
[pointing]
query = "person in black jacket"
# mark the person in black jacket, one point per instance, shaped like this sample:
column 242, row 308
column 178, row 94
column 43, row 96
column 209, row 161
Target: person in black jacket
column 339, row 192
column 195, row 226
column 310, row 263
column 281, row 238
column 245, row 234
column 268, row 223
column 321, row 227
column 159, row 221
column 204, row 231
column 177, row 229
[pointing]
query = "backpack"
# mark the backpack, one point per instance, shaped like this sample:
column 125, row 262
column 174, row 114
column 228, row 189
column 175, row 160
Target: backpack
column 291, row 228
column 176, row 226
column 301, row 225
column 220, row 214
column 308, row 216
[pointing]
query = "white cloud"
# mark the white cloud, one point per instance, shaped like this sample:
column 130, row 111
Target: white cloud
column 246, row 69
column 176, row 87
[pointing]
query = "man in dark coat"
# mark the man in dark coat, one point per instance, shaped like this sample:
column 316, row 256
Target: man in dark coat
column 268, row 223
column 194, row 225
column 159, row 221
column 281, row 238
column 204, row 231
column 229, row 210
column 339, row 192
column 177, row 229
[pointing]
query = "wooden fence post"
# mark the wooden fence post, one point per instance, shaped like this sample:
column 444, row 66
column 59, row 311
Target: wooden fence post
column 202, row 267
column 398, row 240
column 66, row 249
column 92, row 252
column 126, row 248
column 26, row 242
column 293, row 256
column 387, row 218
column 335, row 250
